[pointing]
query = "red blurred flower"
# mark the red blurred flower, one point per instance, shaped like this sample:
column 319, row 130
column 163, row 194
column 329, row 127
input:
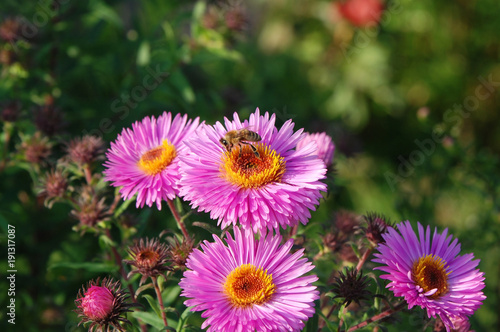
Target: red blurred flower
column 361, row 12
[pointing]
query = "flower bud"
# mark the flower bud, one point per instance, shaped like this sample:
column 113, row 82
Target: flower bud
column 351, row 286
column 324, row 143
column 97, row 303
column 86, row 150
column 36, row 148
column 10, row 30
column 103, row 305
column 149, row 257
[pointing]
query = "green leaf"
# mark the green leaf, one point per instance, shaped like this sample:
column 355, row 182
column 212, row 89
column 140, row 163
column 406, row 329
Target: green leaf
column 312, row 324
column 198, row 12
column 149, row 318
column 213, row 54
column 209, row 227
column 91, row 267
column 172, row 294
column 123, row 206
column 4, row 224
column 101, row 11
column 143, row 288
column 144, row 54
column 170, row 39
column 329, row 324
column 154, row 304
column 184, row 318
column 180, row 82
column 106, row 242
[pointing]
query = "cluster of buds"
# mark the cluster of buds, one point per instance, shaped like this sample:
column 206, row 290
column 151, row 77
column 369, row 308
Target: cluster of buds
column 338, row 240
column 55, row 184
column 235, row 18
column 351, row 285
column 232, row 17
column 151, row 258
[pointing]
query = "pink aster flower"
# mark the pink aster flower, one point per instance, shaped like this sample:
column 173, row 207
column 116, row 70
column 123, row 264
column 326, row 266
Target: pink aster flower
column 260, row 183
column 249, row 285
column 144, row 160
column 325, row 145
column 430, row 273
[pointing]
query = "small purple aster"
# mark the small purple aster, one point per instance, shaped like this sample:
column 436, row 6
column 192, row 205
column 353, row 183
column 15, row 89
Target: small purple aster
column 249, row 285
column 263, row 184
column 144, row 160
column 325, row 145
column 430, row 273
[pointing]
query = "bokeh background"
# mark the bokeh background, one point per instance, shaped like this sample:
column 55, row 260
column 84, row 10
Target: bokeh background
column 409, row 95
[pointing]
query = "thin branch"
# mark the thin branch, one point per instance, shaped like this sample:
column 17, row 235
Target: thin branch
column 178, row 219
column 363, row 259
column 160, row 300
column 375, row 318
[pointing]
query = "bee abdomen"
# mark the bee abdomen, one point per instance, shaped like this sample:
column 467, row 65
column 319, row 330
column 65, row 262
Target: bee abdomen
column 253, row 136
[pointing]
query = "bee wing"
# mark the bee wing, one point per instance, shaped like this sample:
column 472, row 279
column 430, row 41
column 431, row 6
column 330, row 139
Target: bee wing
column 245, row 128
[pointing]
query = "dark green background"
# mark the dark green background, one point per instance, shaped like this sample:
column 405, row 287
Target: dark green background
column 380, row 92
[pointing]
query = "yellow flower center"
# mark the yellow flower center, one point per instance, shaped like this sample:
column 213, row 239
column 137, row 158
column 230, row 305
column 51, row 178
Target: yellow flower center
column 157, row 159
column 246, row 285
column 247, row 170
column 430, row 273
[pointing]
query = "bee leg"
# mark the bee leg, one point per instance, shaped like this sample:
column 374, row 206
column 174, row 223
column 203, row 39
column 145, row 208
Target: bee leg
column 254, row 149
column 255, row 152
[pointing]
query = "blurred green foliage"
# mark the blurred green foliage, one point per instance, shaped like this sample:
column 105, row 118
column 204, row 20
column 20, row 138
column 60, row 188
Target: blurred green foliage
column 384, row 93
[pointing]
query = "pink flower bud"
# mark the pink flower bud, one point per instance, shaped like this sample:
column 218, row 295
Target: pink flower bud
column 324, row 143
column 97, row 303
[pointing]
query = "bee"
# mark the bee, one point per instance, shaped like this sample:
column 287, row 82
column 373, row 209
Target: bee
column 238, row 137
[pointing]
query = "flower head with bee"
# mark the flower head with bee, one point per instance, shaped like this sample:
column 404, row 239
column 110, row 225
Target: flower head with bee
column 250, row 172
